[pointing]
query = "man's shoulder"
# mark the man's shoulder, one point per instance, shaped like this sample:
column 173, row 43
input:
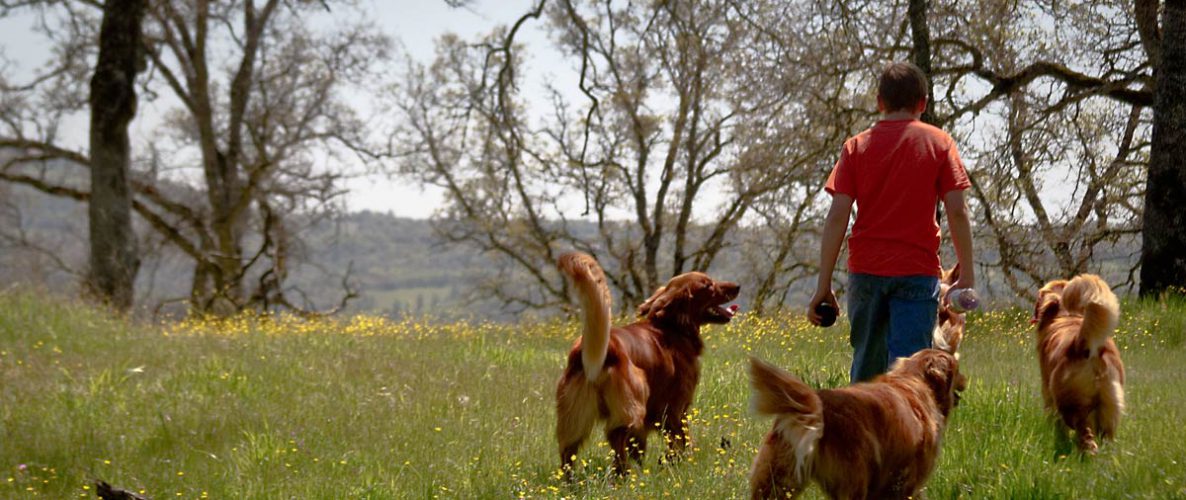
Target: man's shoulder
column 925, row 130
column 861, row 137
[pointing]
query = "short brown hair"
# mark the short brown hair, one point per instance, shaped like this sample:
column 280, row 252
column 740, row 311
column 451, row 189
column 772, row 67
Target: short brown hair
column 901, row 86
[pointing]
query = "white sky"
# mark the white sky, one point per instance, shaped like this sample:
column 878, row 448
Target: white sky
column 416, row 24
column 413, row 23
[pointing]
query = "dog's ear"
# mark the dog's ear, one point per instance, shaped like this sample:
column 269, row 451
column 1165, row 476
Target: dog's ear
column 960, row 385
column 950, row 277
column 1048, row 306
column 938, row 369
column 670, row 302
column 653, row 303
column 941, row 374
column 1051, row 291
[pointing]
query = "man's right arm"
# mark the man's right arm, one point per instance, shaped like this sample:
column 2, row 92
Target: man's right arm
column 835, row 227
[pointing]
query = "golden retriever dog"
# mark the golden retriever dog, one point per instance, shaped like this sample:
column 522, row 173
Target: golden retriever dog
column 877, row 439
column 1082, row 375
column 638, row 377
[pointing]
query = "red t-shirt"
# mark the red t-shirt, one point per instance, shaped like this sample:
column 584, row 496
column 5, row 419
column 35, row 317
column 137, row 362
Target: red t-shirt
column 897, row 171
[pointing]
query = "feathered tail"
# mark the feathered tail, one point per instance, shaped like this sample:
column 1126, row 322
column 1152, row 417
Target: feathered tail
column 1090, row 296
column 799, row 408
column 589, row 281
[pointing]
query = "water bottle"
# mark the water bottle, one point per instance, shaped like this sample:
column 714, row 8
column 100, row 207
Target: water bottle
column 963, row 300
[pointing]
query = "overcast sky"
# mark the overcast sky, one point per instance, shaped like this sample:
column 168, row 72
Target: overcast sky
column 413, row 23
column 416, row 24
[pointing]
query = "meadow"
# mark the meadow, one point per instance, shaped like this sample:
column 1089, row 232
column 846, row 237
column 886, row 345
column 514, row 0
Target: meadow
column 363, row 407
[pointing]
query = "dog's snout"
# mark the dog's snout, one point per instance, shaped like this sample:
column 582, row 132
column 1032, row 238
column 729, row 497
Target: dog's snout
column 730, row 289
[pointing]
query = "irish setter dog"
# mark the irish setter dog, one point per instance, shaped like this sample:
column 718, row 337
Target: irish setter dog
column 877, row 439
column 1082, row 375
column 638, row 377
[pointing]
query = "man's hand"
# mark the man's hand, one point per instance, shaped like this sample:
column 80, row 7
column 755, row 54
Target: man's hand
column 822, row 296
column 964, row 282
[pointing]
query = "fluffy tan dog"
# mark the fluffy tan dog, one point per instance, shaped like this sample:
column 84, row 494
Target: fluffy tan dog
column 876, row 439
column 1082, row 375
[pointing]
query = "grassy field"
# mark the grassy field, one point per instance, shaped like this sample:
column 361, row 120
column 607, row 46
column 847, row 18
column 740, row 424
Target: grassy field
column 363, row 408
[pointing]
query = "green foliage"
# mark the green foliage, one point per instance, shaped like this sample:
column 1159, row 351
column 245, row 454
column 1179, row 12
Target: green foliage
column 275, row 407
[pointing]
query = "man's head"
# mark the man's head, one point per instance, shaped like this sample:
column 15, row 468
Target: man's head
column 902, row 87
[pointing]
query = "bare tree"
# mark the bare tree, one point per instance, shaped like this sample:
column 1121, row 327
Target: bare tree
column 1053, row 147
column 811, row 66
column 920, row 34
column 669, row 142
column 1035, row 237
column 1164, row 236
column 29, row 256
column 114, row 260
column 1055, row 153
column 269, row 130
column 1051, row 118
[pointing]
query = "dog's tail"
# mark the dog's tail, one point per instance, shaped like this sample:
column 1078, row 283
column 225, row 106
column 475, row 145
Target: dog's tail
column 799, row 408
column 1091, row 296
column 1099, row 321
column 589, row 281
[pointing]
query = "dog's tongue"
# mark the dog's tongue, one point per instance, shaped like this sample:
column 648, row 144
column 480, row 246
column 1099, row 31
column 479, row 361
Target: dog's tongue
column 732, row 310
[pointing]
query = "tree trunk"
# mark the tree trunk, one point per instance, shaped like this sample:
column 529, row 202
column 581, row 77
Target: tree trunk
column 114, row 260
column 920, row 33
column 1163, row 253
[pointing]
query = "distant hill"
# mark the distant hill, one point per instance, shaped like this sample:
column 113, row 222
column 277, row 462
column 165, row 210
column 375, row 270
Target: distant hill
column 397, row 263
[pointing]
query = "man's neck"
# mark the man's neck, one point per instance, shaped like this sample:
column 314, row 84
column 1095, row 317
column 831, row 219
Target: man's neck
column 901, row 115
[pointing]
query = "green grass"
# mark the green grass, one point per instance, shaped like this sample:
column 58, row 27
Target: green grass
column 364, row 409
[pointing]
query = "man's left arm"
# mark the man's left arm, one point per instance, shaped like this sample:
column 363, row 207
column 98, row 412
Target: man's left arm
column 960, row 225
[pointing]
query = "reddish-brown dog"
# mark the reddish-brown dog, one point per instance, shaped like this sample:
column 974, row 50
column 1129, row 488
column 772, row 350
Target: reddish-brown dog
column 876, row 439
column 638, row 377
column 1082, row 375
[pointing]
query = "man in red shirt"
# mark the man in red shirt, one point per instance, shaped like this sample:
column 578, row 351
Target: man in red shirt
column 896, row 172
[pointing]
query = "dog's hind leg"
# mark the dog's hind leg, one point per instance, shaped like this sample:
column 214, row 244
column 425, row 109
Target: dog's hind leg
column 1087, row 442
column 1062, row 440
column 626, row 399
column 627, row 442
column 576, row 413
column 774, row 472
column 568, row 455
column 1108, row 419
column 1110, row 409
column 1079, row 420
column 638, row 445
column 675, row 430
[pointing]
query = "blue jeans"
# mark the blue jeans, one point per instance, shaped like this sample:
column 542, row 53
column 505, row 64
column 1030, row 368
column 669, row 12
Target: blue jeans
column 891, row 318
